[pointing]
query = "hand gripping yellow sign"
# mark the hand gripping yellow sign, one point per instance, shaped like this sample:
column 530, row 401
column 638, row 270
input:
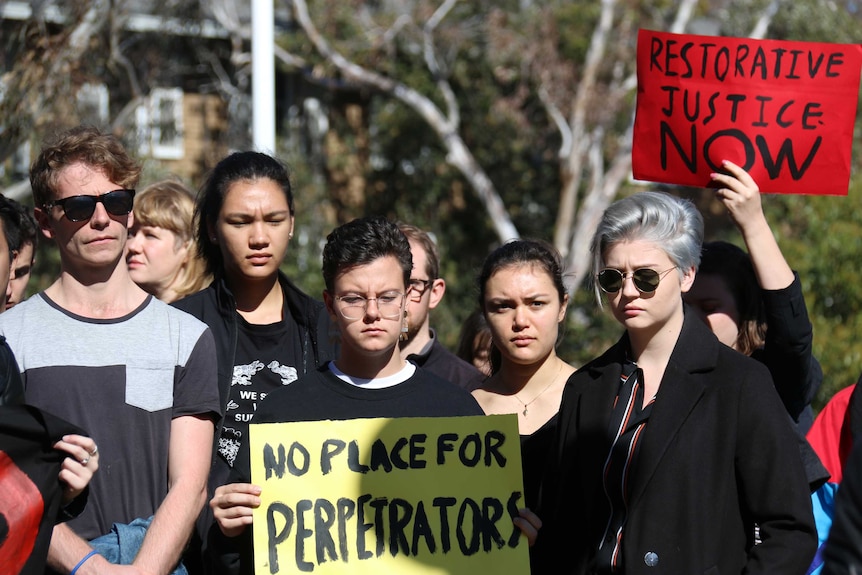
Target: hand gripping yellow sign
column 408, row 495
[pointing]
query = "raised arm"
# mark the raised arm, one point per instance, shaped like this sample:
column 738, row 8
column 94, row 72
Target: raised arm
column 741, row 196
column 788, row 348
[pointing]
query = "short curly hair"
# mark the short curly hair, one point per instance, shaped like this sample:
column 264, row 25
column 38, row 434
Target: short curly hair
column 362, row 241
column 86, row 145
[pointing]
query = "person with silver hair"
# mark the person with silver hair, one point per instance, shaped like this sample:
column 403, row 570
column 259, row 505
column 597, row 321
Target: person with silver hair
column 671, row 447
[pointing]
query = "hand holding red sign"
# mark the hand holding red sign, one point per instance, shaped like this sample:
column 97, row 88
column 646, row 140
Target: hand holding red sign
column 783, row 111
column 738, row 192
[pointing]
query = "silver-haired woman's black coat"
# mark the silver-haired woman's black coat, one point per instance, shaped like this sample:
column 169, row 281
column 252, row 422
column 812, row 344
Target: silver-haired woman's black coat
column 718, row 456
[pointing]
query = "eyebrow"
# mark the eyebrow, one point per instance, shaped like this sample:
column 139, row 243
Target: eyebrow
column 243, row 214
column 364, row 292
column 530, row 296
column 656, row 267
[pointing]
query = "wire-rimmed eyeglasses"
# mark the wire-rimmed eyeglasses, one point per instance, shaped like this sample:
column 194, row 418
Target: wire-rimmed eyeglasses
column 355, row 306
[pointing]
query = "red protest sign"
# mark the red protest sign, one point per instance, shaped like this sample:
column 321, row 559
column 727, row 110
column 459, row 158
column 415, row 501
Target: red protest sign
column 782, row 110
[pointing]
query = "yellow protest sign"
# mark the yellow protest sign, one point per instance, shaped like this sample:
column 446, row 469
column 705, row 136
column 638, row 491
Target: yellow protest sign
column 407, row 495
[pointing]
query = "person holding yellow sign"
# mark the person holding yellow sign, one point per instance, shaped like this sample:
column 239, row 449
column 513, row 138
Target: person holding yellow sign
column 366, row 269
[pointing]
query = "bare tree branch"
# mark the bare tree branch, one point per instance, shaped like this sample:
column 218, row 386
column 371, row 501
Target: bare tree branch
column 572, row 166
column 93, row 20
column 765, row 19
column 458, row 154
column 601, row 194
column 453, row 111
column 291, row 60
column 36, row 83
column 120, row 59
column 396, row 28
column 556, row 115
column 122, row 118
column 225, row 12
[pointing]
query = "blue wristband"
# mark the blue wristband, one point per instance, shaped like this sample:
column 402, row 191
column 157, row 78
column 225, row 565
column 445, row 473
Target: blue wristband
column 81, row 562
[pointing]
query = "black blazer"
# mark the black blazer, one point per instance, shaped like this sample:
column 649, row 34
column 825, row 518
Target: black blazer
column 718, row 455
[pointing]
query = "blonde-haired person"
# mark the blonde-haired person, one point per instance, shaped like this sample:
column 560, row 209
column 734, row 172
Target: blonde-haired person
column 161, row 251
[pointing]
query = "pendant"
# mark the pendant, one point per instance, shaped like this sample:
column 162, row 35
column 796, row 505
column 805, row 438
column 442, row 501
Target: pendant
column 525, row 411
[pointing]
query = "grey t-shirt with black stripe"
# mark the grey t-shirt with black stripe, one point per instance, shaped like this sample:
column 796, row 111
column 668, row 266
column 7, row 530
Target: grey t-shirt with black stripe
column 122, row 380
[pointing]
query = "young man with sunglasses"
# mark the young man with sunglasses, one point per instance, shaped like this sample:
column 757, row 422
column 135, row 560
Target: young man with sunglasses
column 98, row 351
column 419, row 343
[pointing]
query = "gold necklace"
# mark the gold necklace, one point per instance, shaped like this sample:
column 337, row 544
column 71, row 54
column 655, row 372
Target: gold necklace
column 526, row 405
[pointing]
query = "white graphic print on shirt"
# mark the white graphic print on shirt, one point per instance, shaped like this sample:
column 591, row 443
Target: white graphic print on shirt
column 256, row 383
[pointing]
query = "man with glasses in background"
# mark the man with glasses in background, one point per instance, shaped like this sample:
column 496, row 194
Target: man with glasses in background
column 98, row 351
column 419, row 343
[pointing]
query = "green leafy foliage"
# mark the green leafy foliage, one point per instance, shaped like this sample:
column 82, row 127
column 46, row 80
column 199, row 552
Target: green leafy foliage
column 820, row 239
column 482, row 50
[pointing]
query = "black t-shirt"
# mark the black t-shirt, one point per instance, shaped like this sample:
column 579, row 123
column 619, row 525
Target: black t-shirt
column 265, row 360
column 321, row 395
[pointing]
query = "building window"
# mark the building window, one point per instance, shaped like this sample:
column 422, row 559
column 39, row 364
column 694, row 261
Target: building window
column 92, row 103
column 158, row 126
column 166, row 123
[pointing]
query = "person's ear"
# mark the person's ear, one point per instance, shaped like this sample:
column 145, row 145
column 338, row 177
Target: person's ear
column 329, row 302
column 186, row 247
column 437, row 288
column 211, row 233
column 687, row 279
column 44, row 221
column 562, row 315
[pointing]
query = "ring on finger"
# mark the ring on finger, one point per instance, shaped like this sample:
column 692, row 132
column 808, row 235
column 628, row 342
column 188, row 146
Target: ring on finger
column 95, row 450
column 85, row 461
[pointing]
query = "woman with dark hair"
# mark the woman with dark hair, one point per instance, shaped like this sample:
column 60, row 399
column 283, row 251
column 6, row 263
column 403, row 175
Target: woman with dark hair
column 474, row 342
column 267, row 331
column 523, row 299
column 726, row 272
column 753, row 302
column 671, row 447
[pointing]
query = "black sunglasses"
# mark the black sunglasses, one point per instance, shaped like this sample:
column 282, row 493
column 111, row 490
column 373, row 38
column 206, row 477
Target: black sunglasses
column 80, row 208
column 646, row 280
